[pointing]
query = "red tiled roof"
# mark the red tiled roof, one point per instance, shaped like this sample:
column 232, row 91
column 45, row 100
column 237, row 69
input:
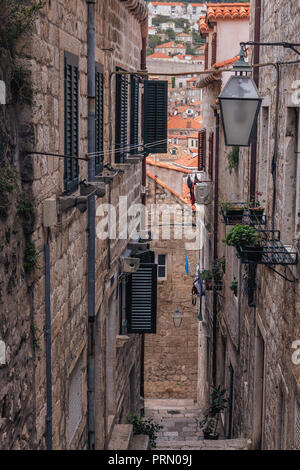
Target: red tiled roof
column 178, row 136
column 203, row 26
column 226, row 62
column 188, row 160
column 170, row 44
column 227, row 11
column 159, row 55
column 161, row 183
column 193, row 136
column 177, row 122
column 169, row 166
column 172, row 4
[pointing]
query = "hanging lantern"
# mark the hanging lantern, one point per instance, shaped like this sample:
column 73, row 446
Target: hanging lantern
column 240, row 104
column 177, row 318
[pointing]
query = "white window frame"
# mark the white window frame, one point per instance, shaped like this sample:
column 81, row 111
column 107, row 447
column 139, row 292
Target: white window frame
column 159, row 278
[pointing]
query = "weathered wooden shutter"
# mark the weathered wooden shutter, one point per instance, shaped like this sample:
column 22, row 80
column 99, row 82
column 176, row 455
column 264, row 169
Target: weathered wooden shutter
column 202, row 150
column 71, row 79
column 121, row 117
column 214, row 49
column 211, row 155
column 99, row 126
column 141, row 300
column 155, row 116
column 134, row 114
column 206, row 57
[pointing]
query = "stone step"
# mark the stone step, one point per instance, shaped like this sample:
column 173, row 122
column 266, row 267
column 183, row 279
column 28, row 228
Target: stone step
column 139, row 442
column 227, row 444
column 121, row 436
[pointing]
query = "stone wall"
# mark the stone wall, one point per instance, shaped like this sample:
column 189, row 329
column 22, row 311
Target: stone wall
column 171, row 364
column 62, row 26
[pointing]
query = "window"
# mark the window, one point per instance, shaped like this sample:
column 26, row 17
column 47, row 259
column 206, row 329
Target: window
column 99, row 105
column 202, row 150
column 161, row 267
column 121, row 117
column 206, row 57
column 71, row 84
column 155, row 116
column 214, row 49
column 75, row 400
column 210, row 155
column 134, row 115
column 141, row 299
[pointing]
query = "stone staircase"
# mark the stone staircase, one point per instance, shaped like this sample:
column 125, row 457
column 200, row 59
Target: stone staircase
column 181, row 431
column 122, row 438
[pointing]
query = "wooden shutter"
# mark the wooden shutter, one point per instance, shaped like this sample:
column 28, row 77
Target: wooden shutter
column 141, row 300
column 210, row 155
column 121, row 117
column 71, row 79
column 134, row 114
column 206, row 57
column 214, row 49
column 202, row 150
column 99, row 126
column 155, row 116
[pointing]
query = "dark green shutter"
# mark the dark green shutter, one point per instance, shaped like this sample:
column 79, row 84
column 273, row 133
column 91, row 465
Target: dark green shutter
column 141, row 300
column 134, row 115
column 71, row 78
column 155, row 116
column 99, row 128
column 121, row 117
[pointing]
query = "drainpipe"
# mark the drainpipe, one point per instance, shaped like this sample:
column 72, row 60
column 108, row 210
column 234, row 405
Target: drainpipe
column 48, row 346
column 91, row 228
column 256, row 80
column 215, row 247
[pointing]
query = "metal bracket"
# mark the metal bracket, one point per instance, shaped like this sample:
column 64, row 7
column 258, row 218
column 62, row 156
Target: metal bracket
column 294, row 280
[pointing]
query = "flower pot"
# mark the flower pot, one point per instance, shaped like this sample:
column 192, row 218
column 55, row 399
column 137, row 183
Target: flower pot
column 251, row 253
column 234, row 216
column 208, row 435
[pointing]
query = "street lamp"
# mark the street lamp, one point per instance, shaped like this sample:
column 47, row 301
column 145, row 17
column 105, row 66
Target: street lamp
column 240, row 104
column 177, row 318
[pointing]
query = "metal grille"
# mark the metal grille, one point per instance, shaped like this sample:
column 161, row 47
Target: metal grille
column 134, row 115
column 75, row 400
column 121, row 117
column 297, row 425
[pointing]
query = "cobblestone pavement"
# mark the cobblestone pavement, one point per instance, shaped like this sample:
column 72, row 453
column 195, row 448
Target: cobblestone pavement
column 181, row 430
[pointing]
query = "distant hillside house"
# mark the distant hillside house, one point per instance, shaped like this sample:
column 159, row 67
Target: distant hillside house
column 171, row 9
column 171, row 48
column 168, row 25
column 184, row 37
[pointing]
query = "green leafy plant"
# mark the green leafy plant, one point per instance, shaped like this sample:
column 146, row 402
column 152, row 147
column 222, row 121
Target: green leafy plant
column 218, row 403
column 16, row 18
column 25, row 208
column 234, row 287
column 35, row 331
column 144, row 426
column 228, row 206
column 8, row 183
column 206, row 275
column 233, row 159
column 242, row 235
column 21, row 85
column 30, row 257
column 218, row 269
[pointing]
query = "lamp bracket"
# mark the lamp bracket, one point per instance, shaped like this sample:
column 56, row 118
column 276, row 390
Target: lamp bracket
column 286, row 45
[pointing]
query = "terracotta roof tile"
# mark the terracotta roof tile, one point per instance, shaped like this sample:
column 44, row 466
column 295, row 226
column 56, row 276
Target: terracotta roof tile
column 227, row 11
column 177, row 122
column 159, row 55
column 163, row 185
column 170, row 44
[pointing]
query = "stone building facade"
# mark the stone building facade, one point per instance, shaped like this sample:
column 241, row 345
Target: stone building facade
column 171, row 355
column 253, row 335
column 95, row 369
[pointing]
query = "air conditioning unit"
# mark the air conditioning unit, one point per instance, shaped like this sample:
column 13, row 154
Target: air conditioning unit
column 129, row 265
column 203, row 193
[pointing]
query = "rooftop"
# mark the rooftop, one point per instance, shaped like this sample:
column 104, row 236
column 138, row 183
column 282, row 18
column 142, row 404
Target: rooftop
column 177, row 122
column 170, row 44
column 159, row 55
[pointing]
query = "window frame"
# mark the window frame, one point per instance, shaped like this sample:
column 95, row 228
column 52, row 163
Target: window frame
column 121, row 117
column 161, row 278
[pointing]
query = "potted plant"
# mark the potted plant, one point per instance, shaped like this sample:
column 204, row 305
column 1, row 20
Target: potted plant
column 256, row 210
column 218, row 271
column 246, row 240
column 234, row 287
column 207, row 277
column 218, row 403
column 233, row 213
